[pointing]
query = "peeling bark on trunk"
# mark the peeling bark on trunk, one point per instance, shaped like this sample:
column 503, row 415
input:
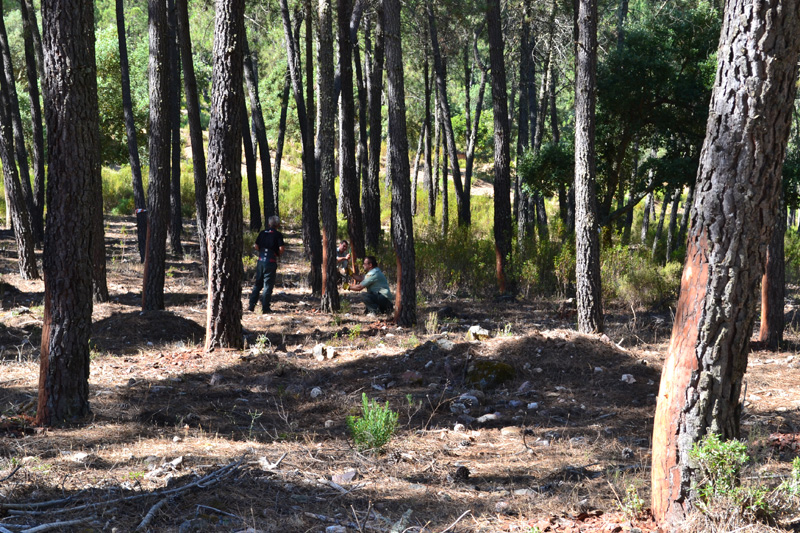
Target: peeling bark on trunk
column 732, row 220
column 224, row 325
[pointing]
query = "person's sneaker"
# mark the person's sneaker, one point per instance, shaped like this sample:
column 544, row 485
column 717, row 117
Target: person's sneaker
column 266, row 311
column 252, row 309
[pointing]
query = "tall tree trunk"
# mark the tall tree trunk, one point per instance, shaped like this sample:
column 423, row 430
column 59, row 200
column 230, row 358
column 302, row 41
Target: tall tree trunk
column 312, row 241
column 37, row 128
column 371, row 195
column 139, row 202
column 472, row 137
column 251, row 79
column 348, row 177
column 327, row 166
column 673, row 222
column 773, row 286
column 547, row 72
column 363, row 134
column 224, row 326
column 252, row 176
column 310, row 116
column 15, row 204
column 687, row 208
column 405, row 309
column 502, row 140
column 176, row 217
column 276, row 170
column 72, row 116
column 462, row 200
column 195, row 130
column 18, row 133
column 733, row 216
column 587, row 245
column 445, row 185
column 523, row 124
column 415, row 172
column 648, row 207
column 158, row 188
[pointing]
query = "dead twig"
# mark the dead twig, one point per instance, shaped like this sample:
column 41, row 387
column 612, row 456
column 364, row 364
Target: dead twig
column 219, row 511
column 451, row 526
column 55, row 525
column 151, row 514
column 11, row 474
column 345, row 523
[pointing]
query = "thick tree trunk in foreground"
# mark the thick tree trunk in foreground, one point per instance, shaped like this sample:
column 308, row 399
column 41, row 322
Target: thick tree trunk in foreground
column 224, row 326
column 15, row 203
column 733, row 218
column 139, row 202
column 405, row 307
column 502, row 140
column 71, row 112
column 158, row 188
column 195, row 129
column 587, row 242
column 326, row 110
column 371, row 195
column 37, row 127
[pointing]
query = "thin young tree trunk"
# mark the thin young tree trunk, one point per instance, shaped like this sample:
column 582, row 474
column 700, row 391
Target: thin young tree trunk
column 139, row 202
column 72, row 116
column 19, row 149
column 415, row 172
column 473, row 128
column 37, row 128
column 547, row 71
column 502, row 141
column 371, row 193
column 252, row 176
column 733, row 217
column 327, row 166
column 587, row 245
column 405, row 309
column 195, row 130
column 176, row 217
column 429, row 184
column 659, row 227
column 251, row 79
column 224, row 324
column 687, row 208
column 648, row 207
column 444, row 185
column 158, row 189
column 462, row 201
column 276, row 170
column 523, row 125
column 673, row 222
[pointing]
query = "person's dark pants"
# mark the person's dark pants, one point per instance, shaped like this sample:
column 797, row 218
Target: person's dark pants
column 265, row 277
column 376, row 302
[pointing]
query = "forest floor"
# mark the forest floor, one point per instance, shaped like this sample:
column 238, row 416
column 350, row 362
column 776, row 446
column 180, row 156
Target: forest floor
column 257, row 440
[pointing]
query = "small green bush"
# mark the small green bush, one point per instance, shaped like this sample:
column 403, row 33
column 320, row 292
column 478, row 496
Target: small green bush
column 375, row 427
column 632, row 279
column 791, row 243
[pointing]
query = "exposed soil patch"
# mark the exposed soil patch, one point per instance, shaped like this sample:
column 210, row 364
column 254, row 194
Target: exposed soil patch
column 534, row 426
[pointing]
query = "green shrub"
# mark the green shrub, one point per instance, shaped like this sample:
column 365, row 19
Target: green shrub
column 632, row 279
column 791, row 252
column 375, row 427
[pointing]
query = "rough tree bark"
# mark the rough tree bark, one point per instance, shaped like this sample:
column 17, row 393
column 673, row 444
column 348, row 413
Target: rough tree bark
column 326, row 111
column 224, row 325
column 371, row 193
column 195, row 129
column 276, row 169
column 158, row 188
column 139, row 202
column 732, row 220
column 773, row 287
column 502, row 141
column 71, row 112
column 587, row 245
column 405, row 308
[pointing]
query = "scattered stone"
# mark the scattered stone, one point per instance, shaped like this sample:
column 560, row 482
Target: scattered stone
column 216, row 379
column 379, row 388
column 537, row 370
column 459, row 428
column 477, row 333
column 533, row 406
column 514, row 404
column 81, row 457
column 335, row 529
column 468, row 399
column 510, row 431
column 461, row 474
column 598, row 369
column 176, row 439
column 445, row 344
column 489, row 417
column 330, row 352
column 429, row 364
column 319, row 352
column 458, row 408
column 345, row 477
column 525, row 492
column 412, row 377
column 502, row 507
column 316, row 392
column 627, row 453
column 628, row 378
column 175, row 463
column 329, row 424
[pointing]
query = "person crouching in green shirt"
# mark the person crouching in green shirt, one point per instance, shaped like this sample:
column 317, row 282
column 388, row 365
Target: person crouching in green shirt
column 378, row 297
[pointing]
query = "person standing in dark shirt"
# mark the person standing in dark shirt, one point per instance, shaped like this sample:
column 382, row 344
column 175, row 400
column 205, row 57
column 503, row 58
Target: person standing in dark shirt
column 269, row 246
